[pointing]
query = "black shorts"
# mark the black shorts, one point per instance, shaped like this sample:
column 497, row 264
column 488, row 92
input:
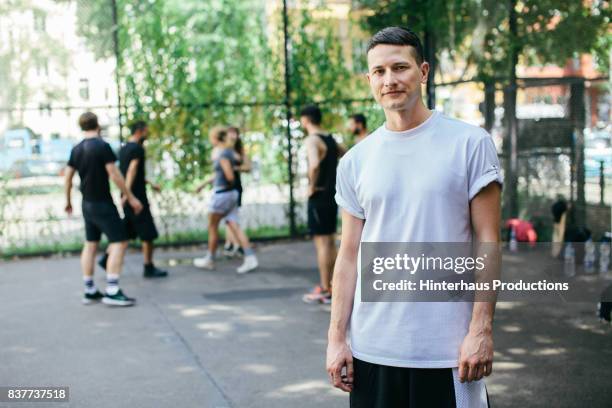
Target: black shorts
column 140, row 226
column 322, row 217
column 379, row 386
column 102, row 217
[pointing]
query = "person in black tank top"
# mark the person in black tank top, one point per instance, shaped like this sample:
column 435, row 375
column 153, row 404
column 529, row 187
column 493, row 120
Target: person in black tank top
column 323, row 154
column 325, row 184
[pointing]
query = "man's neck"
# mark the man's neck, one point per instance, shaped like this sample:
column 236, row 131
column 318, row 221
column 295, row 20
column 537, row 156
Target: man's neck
column 134, row 139
column 401, row 120
column 88, row 134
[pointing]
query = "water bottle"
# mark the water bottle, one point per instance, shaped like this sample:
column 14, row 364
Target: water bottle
column 589, row 256
column 569, row 261
column 513, row 241
column 604, row 258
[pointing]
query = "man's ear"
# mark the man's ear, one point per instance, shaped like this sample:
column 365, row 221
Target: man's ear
column 424, row 72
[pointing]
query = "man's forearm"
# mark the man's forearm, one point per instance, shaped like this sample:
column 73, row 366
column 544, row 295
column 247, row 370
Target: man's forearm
column 68, row 190
column 345, row 279
column 129, row 180
column 482, row 318
column 120, row 183
column 484, row 305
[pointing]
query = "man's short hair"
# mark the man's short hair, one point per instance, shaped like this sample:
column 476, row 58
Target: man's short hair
column 137, row 125
column 313, row 113
column 360, row 118
column 398, row 36
column 88, row 121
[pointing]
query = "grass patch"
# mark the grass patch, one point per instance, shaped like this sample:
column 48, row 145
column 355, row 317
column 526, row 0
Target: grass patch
column 196, row 236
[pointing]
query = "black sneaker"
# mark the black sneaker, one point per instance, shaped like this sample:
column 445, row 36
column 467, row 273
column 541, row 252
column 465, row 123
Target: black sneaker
column 150, row 271
column 103, row 260
column 89, row 298
column 118, row 299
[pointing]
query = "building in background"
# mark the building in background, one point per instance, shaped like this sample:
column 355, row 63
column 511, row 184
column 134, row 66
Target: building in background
column 48, row 74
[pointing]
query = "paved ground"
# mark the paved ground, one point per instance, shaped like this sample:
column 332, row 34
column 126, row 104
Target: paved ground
column 216, row 339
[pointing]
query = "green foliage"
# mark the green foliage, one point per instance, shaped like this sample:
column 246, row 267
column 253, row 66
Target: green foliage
column 548, row 31
column 187, row 66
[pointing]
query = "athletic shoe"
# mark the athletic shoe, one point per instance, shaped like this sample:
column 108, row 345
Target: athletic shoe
column 233, row 252
column 89, row 298
column 103, row 260
column 318, row 295
column 204, row 263
column 250, row 263
column 150, row 271
column 118, row 299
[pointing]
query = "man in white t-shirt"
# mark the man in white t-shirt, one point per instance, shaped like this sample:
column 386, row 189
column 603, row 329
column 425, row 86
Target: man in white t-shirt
column 420, row 177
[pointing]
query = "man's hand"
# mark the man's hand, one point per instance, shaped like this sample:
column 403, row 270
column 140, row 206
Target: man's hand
column 476, row 356
column 135, row 204
column 68, row 209
column 156, row 188
column 340, row 365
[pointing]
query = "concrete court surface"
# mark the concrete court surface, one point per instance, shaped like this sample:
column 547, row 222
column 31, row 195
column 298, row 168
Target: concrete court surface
column 216, row 339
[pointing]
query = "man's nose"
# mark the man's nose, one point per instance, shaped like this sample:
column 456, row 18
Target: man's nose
column 389, row 79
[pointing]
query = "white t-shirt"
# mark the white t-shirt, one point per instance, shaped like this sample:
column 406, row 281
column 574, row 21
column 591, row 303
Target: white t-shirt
column 414, row 186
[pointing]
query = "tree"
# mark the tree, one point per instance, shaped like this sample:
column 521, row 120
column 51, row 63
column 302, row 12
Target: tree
column 494, row 36
column 442, row 25
column 542, row 31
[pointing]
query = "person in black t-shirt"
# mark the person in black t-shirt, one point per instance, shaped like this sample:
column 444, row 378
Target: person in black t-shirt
column 141, row 225
column 94, row 159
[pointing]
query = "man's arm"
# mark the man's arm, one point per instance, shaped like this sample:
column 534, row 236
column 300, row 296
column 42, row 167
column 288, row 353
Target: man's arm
column 115, row 175
column 68, row 188
column 339, row 355
column 314, row 160
column 476, row 356
column 130, row 175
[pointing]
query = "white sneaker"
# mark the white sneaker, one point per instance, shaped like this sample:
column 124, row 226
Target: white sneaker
column 204, row 263
column 250, row 263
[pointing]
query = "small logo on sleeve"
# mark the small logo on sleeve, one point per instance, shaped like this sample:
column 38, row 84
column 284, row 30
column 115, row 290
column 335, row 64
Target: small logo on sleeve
column 494, row 168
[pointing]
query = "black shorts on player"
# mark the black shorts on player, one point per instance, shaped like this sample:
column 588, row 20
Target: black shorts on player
column 101, row 217
column 322, row 217
column 140, row 225
column 379, row 386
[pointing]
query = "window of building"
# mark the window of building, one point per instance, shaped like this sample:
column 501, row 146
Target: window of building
column 40, row 21
column 360, row 62
column 42, row 67
column 84, row 88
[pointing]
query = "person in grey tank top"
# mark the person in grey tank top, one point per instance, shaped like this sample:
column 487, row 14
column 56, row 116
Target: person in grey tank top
column 224, row 203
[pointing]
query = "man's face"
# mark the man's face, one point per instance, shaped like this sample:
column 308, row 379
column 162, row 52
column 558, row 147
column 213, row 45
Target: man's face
column 142, row 134
column 395, row 77
column 304, row 122
column 354, row 127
